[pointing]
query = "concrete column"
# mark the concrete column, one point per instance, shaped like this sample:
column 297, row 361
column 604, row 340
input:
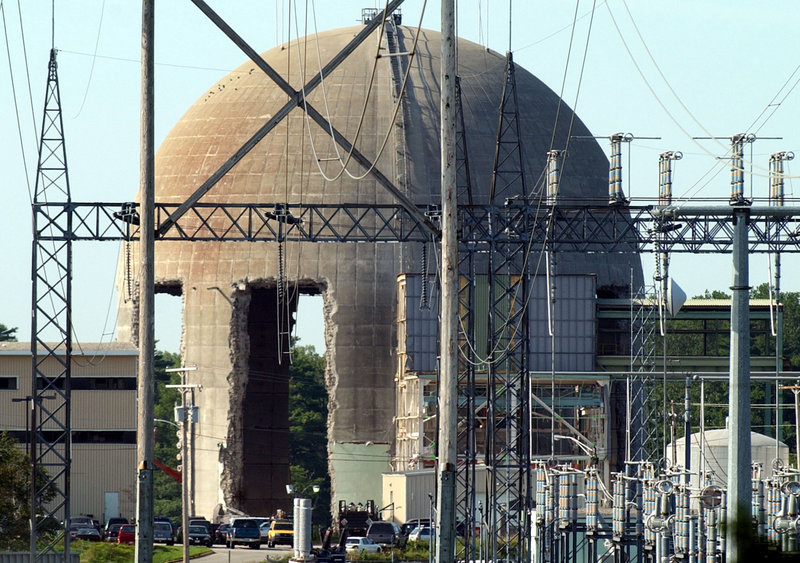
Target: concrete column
column 739, row 456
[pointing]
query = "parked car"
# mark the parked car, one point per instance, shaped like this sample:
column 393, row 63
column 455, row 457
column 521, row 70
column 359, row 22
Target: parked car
column 81, row 521
column 360, row 543
column 198, row 521
column 221, row 534
column 111, row 529
column 264, row 531
column 127, row 534
column 198, row 535
column 243, row 531
column 409, row 526
column 384, row 533
column 81, row 532
column 280, row 532
column 421, row 533
column 163, row 533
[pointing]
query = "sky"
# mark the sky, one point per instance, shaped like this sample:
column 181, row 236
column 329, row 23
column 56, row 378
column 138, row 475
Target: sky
column 665, row 72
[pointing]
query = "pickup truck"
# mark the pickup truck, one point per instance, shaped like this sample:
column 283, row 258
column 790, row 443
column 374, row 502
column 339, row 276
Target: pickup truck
column 280, row 532
column 243, row 531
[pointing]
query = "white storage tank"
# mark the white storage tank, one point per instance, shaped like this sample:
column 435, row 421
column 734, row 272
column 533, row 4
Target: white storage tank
column 765, row 450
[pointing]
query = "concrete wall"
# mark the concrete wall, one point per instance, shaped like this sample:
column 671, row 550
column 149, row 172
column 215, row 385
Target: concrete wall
column 358, row 468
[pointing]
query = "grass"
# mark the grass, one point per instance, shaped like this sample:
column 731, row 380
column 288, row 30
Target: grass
column 106, row 552
column 414, row 551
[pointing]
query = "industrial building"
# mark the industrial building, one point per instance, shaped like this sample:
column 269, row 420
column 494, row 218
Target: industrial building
column 239, row 297
column 103, row 448
column 537, row 260
column 588, row 395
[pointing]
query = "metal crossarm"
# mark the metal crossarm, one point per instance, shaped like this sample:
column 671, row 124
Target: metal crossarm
column 574, row 229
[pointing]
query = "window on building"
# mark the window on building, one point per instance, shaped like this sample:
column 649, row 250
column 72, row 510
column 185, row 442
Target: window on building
column 9, row 383
column 96, row 383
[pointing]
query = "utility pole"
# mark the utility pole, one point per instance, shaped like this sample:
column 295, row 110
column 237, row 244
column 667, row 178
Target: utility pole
column 145, row 444
column 740, row 491
column 448, row 375
column 184, row 417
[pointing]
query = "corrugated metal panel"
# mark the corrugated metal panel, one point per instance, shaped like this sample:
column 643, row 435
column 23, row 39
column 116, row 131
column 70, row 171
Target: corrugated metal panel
column 13, row 415
column 422, row 325
column 409, row 492
column 96, row 468
column 101, row 468
column 574, row 323
column 118, row 410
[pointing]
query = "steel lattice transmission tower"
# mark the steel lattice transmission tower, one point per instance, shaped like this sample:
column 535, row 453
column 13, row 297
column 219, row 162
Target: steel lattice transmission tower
column 51, row 341
column 508, row 475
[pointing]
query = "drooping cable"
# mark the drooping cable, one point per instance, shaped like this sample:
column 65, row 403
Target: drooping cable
column 773, row 104
column 686, row 109
column 281, row 299
column 650, row 87
column 27, row 66
column 564, row 75
column 562, row 29
column 16, row 105
column 370, row 84
column 94, row 59
column 387, row 136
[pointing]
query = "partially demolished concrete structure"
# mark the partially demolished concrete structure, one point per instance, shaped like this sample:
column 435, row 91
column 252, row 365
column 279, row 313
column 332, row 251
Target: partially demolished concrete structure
column 239, row 297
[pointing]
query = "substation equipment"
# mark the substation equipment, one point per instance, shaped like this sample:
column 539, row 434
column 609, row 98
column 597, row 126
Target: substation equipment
column 533, row 506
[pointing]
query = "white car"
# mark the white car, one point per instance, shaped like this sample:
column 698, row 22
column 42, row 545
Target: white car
column 421, row 533
column 358, row 543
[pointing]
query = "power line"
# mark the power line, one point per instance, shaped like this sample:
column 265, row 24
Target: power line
column 94, row 59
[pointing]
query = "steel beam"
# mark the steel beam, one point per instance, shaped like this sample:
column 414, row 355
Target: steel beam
column 297, row 99
column 574, row 229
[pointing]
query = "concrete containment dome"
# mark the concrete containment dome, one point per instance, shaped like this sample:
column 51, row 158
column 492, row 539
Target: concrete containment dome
column 233, row 327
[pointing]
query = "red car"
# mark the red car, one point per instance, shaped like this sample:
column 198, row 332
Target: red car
column 127, row 534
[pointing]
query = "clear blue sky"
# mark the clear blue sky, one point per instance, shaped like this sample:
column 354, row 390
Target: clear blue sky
column 691, row 68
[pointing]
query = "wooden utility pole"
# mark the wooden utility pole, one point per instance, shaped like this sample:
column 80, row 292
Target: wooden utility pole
column 448, row 367
column 144, row 429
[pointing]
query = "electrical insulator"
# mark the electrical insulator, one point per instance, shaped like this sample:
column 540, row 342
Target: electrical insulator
column 179, row 469
column 178, row 455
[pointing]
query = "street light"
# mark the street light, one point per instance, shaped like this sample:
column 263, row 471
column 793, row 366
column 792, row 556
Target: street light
column 591, row 452
column 290, row 490
column 166, row 422
column 181, row 416
column 30, row 422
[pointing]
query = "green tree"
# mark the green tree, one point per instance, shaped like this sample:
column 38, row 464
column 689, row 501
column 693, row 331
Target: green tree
column 7, row 334
column 308, row 417
column 166, row 490
column 15, row 494
column 712, row 338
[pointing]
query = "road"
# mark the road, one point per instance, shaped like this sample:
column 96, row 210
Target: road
column 241, row 554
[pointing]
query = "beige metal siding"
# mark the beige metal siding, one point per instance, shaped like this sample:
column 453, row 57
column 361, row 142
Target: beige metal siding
column 98, row 468
column 104, row 410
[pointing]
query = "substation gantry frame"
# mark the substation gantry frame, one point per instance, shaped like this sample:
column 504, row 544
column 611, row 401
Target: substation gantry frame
column 500, row 231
